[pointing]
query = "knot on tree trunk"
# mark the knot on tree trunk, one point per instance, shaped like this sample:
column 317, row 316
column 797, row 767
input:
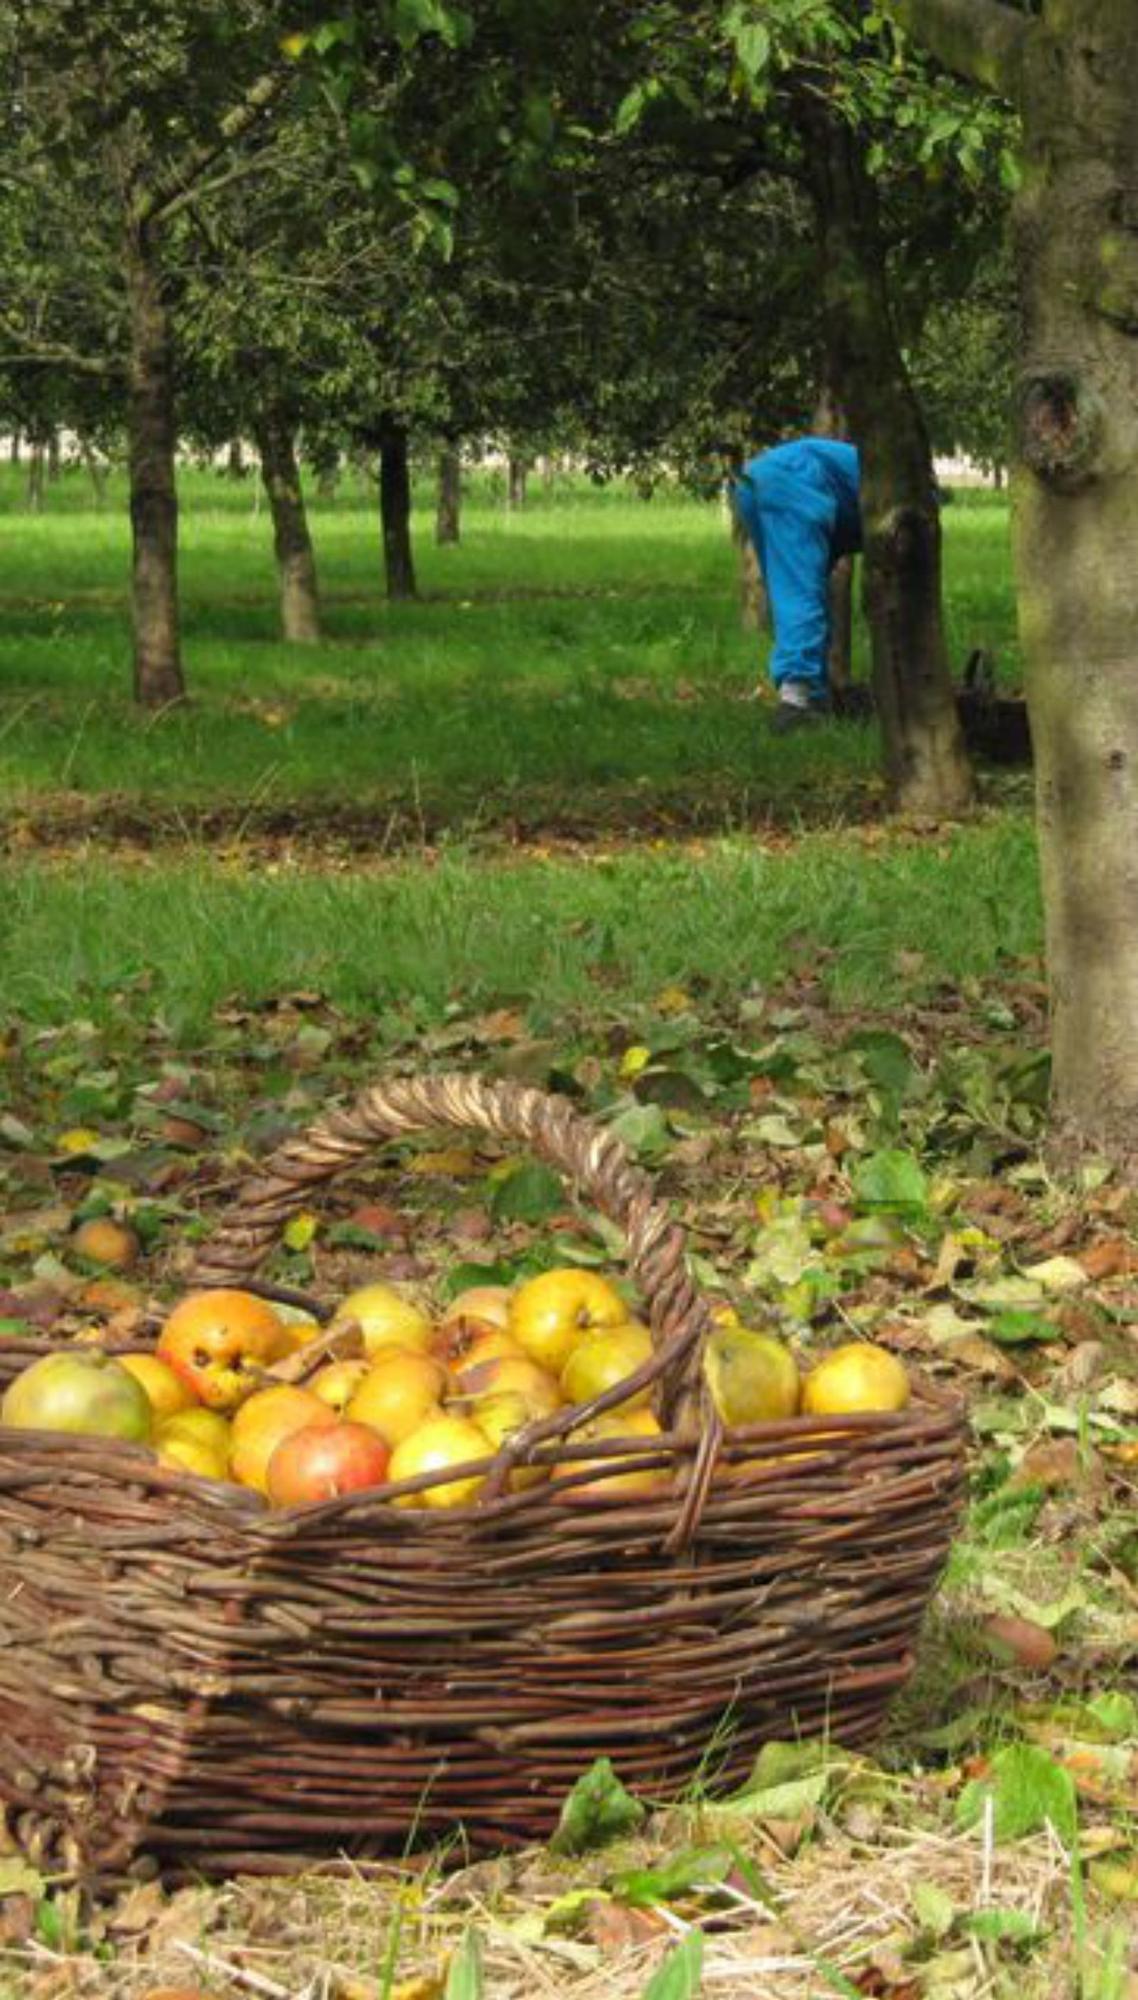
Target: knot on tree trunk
column 1061, row 428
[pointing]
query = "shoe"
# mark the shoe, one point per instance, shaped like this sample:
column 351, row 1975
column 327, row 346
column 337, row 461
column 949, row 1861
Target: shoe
column 791, row 715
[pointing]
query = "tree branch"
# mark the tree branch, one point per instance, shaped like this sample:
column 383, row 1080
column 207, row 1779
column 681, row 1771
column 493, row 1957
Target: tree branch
column 982, row 40
column 32, row 352
column 182, row 184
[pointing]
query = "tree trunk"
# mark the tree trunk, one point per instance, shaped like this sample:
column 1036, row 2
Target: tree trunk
column 54, row 454
column 395, row 509
column 1073, row 75
column 829, row 421
column 14, row 448
column 516, row 476
column 1076, row 533
column 33, row 498
column 96, row 468
column 235, row 459
column 448, row 515
column 840, row 667
column 296, row 563
column 152, row 444
column 925, row 760
column 754, row 610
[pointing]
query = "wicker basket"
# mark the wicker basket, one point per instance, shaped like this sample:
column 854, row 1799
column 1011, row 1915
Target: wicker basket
column 188, row 1677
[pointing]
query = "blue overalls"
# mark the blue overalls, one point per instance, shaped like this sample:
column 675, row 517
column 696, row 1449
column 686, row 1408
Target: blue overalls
column 799, row 504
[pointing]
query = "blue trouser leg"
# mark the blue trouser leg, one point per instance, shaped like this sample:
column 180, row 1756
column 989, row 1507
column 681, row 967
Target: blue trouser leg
column 791, row 521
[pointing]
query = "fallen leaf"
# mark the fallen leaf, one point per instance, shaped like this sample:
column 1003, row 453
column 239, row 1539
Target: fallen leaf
column 452, row 1162
column 617, row 1927
column 1057, row 1275
column 1111, row 1257
column 1020, row 1641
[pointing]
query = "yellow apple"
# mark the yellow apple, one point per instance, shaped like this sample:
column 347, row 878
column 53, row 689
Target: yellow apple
column 399, row 1392
column 439, row 1443
column 638, row 1479
column 601, row 1360
column 550, row 1313
column 166, row 1392
column 385, row 1318
column 512, row 1375
column 858, row 1376
column 498, row 1417
column 336, row 1383
column 263, row 1422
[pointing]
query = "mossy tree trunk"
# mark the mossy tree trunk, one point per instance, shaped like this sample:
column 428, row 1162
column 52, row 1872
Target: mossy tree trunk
column 275, row 437
column 925, row 760
column 152, row 448
column 395, row 509
column 1073, row 74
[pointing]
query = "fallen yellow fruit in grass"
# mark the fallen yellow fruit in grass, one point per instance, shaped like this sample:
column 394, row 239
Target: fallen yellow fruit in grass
column 856, row 1377
column 752, row 1378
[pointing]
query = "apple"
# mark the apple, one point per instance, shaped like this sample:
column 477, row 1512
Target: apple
column 188, row 1454
column 492, row 1344
column 639, row 1479
column 336, row 1383
column 206, row 1429
column 261, row 1424
column 219, row 1342
column 549, row 1313
column 480, row 1310
column 498, row 1417
column 601, row 1360
column 319, row 1462
column 442, row 1441
column 398, row 1393
column 385, row 1318
column 86, row 1393
column 510, row 1375
column 165, row 1391
column 102, row 1240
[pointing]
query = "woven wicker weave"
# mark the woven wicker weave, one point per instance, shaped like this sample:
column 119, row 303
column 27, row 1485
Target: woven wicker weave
column 187, row 1676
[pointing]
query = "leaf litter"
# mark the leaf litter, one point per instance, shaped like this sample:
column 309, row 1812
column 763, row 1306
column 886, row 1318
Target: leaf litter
column 838, row 1177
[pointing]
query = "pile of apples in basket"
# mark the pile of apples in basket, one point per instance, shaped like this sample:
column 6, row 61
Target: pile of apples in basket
column 226, row 1394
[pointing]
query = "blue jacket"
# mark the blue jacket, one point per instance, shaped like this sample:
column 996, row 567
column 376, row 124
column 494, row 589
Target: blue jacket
column 820, row 463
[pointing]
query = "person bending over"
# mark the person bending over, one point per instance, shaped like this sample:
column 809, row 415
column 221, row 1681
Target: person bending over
column 799, row 503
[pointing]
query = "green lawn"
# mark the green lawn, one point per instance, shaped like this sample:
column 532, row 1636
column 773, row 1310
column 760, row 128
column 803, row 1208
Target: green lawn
column 583, row 657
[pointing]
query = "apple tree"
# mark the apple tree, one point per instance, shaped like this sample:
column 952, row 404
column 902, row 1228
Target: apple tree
column 1069, row 68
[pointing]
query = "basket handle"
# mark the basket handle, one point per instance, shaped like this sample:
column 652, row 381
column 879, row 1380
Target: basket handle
column 594, row 1160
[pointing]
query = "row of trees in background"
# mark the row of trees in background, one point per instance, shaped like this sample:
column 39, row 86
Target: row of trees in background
column 554, row 228
column 643, row 235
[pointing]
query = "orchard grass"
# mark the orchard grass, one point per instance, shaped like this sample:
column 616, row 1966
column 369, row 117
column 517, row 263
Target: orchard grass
column 581, row 660
column 874, row 916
